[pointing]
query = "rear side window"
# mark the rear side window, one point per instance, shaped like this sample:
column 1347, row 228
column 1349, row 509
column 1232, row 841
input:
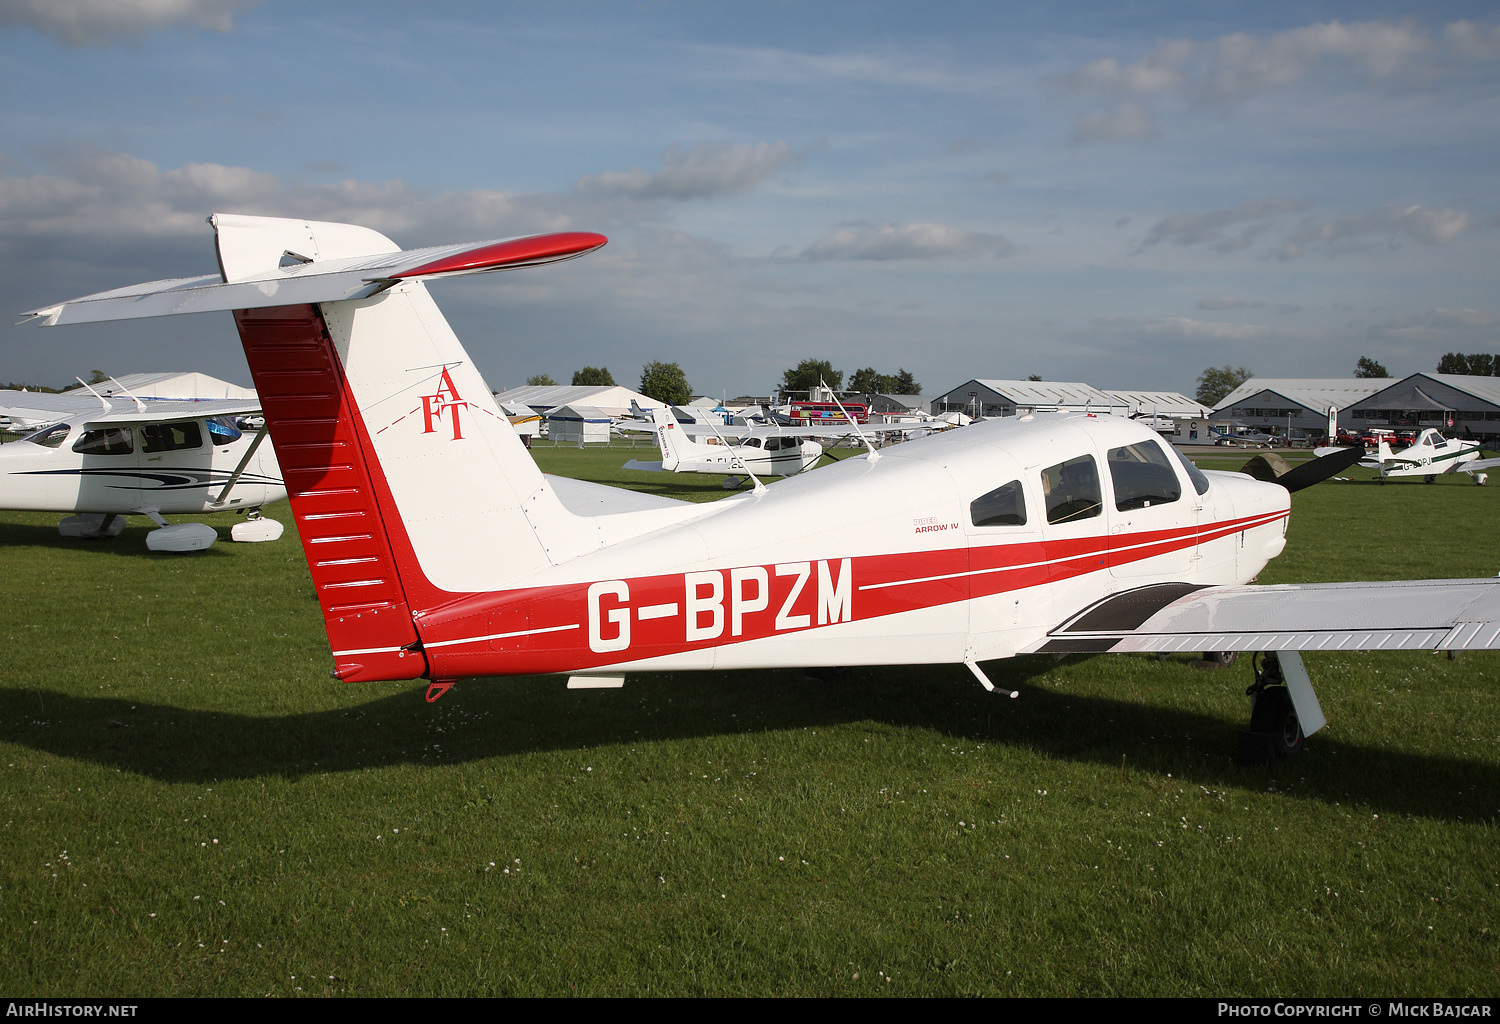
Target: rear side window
column 170, row 437
column 1004, row 506
column 1072, row 490
column 221, row 430
column 50, row 437
column 1143, row 476
column 112, row 441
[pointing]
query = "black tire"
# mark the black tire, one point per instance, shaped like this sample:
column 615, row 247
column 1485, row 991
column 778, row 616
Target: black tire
column 1429, row 479
column 1274, row 714
column 1223, row 659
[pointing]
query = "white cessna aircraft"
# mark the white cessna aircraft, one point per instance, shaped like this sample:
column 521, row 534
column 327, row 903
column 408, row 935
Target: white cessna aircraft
column 105, row 458
column 438, row 549
column 764, row 453
column 1429, row 456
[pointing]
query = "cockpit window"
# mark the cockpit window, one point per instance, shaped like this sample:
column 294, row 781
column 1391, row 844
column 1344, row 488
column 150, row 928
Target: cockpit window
column 170, row 437
column 752, row 442
column 221, row 431
column 1200, row 482
column 110, row 441
column 1004, row 506
column 1142, row 476
column 1072, row 490
column 50, row 437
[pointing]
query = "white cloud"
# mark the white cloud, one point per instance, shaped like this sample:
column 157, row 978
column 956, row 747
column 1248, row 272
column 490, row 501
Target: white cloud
column 906, row 241
column 1127, row 122
column 93, row 192
column 1235, row 67
column 1158, row 71
column 705, row 170
column 102, row 22
column 1343, row 233
column 1243, row 64
column 1199, row 228
column 1228, row 302
column 1182, row 327
column 1438, row 323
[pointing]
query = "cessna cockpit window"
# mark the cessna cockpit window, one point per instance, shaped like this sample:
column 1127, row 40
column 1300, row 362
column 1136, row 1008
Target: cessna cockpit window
column 112, row 441
column 221, row 430
column 752, row 442
column 1004, row 506
column 170, row 437
column 50, row 437
column 1143, row 476
column 1072, row 490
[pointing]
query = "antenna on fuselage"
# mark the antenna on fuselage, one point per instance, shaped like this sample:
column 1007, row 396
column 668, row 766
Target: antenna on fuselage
column 873, row 453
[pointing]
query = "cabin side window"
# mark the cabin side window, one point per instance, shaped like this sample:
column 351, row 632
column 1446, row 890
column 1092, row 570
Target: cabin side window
column 170, row 437
column 222, row 431
column 110, row 441
column 1004, row 506
column 50, row 437
column 1072, row 490
column 1143, row 476
column 752, row 442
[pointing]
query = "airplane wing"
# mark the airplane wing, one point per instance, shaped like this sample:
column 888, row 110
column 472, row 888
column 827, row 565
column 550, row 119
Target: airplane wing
column 1405, row 615
column 1478, row 465
column 43, row 407
column 356, row 277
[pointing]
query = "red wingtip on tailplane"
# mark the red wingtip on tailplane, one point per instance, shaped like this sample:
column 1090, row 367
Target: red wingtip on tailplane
column 516, row 252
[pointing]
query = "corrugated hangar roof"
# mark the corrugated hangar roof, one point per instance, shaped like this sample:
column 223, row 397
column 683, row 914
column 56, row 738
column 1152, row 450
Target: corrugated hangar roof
column 1310, row 392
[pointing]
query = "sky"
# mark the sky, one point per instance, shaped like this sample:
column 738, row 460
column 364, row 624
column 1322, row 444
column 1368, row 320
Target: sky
column 1117, row 193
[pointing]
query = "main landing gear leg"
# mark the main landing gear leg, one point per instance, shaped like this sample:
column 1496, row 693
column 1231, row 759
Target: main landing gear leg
column 438, row 687
column 1284, row 711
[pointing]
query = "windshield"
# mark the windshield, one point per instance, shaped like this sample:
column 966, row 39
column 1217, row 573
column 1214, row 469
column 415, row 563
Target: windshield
column 50, row 437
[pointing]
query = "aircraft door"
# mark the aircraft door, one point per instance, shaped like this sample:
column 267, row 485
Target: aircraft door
column 109, row 476
column 1153, row 531
column 176, row 467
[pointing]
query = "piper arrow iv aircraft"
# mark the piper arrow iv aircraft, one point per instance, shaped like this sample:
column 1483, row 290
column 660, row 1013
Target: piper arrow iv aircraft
column 759, row 455
column 1429, row 456
column 106, row 458
column 440, row 551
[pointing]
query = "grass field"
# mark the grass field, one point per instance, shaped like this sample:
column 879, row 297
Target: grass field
column 193, row 807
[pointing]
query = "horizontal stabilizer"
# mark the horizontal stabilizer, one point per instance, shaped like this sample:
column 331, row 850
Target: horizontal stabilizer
column 355, row 277
column 646, row 467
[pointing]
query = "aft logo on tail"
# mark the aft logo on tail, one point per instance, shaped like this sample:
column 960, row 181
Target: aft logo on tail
column 445, row 400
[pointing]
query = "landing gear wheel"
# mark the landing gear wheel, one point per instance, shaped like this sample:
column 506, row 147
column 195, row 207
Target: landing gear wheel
column 1221, row 659
column 1274, row 715
column 1429, row 479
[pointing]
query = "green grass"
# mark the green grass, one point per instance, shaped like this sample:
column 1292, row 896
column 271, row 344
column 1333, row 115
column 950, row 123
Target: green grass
column 193, row 807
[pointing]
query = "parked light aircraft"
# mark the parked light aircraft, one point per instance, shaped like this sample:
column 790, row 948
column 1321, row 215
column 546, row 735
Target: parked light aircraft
column 438, row 550
column 150, row 457
column 760, row 455
column 1429, row 456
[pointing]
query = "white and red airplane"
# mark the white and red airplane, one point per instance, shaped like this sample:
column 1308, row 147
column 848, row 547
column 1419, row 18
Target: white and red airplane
column 440, row 551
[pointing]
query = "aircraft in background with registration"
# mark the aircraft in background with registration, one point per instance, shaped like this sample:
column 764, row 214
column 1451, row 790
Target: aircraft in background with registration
column 767, row 451
column 438, row 549
column 1429, row 456
column 102, row 459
